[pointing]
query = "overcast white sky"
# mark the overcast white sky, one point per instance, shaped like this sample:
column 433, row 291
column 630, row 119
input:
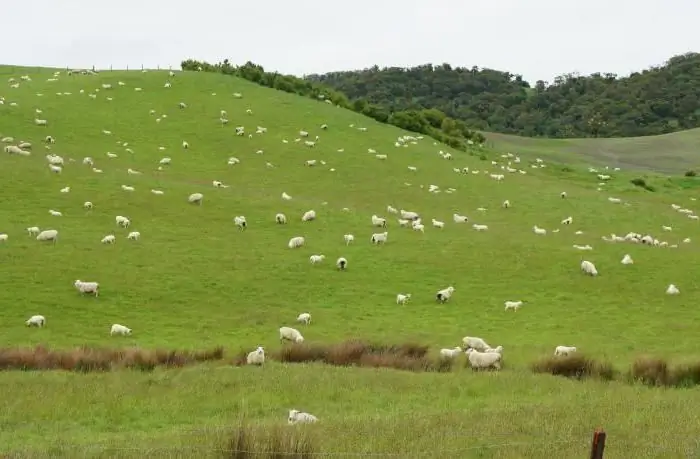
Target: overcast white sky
column 538, row 39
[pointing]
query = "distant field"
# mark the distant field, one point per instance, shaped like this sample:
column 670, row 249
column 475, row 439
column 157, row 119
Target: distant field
column 195, row 281
column 670, row 153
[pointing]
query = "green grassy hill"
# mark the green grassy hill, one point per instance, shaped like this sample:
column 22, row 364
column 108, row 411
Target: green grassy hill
column 194, row 281
column 674, row 153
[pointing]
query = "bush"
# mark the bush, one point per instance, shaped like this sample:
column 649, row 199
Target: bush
column 640, row 182
column 690, row 173
column 650, row 371
column 575, row 366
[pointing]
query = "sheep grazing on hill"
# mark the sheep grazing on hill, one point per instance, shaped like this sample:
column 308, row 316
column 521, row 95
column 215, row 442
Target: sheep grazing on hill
column 87, row 287
column 564, row 350
column 445, row 294
column 36, row 321
column 380, row 238
column 308, row 216
column 290, row 334
column 195, row 198
column 514, row 305
column 314, row 259
column 297, row 417
column 48, row 235
column 403, row 298
column 295, row 242
column 484, row 360
column 588, row 268
column 378, row 221
column 257, row 357
column 281, row 219
column 304, row 318
column 240, row 222
column 672, row 290
column 348, row 239
column 118, row 329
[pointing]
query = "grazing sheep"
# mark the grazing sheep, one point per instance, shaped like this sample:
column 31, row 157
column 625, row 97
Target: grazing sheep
column 403, row 298
column 567, row 221
column 380, row 238
column 378, row 221
column 309, row 216
column 286, row 197
column 445, row 294
column 109, row 239
column 627, row 260
column 87, row 205
column 296, row 242
column 564, row 350
column 297, row 417
column 195, row 198
column 39, row 122
column 87, row 287
column 403, row 223
column 478, row 227
column 290, row 334
column 484, row 360
column 314, row 259
column 118, row 329
column 33, row 230
column 418, row 227
column 506, row 204
column 134, row 236
column 122, row 221
column 55, row 213
column 55, row 169
column 459, row 218
column 391, row 210
column 589, row 268
column 538, row 230
column 304, row 318
column 514, row 305
column 341, row 263
column 36, row 321
column 672, row 290
column 408, row 215
column 48, row 235
column 563, row 194
column 157, row 192
column 240, row 222
column 472, row 342
column 127, row 188
column 281, row 219
column 438, row 224
column 348, row 238
column 450, row 353
column 257, row 357
column 3, row 237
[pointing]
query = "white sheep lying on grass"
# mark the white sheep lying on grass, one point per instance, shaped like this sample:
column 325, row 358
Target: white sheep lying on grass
column 472, row 342
column 36, row 321
column 297, row 417
column 537, row 230
column 304, row 318
column 564, row 350
column 514, row 305
column 55, row 213
column 314, row 259
column 403, row 298
column 450, row 353
column 290, row 334
column 484, row 360
column 118, row 329
column 87, row 287
column 627, row 260
column 257, row 357
column 445, row 294
column 296, row 242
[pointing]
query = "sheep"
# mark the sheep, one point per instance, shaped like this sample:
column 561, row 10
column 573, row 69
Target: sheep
column 588, row 268
column 134, row 236
column 308, row 216
column 484, row 360
column 87, row 287
column 281, row 219
column 438, row 224
column 48, row 235
column 564, row 350
column 257, row 357
column 472, row 342
column 403, row 223
column 444, row 295
column 506, row 204
column 127, row 188
column 109, row 239
column 480, row 227
column 15, row 150
column 341, row 264
column 3, row 237
column 538, row 230
column 55, row 160
column 314, row 259
column 450, row 353
column 408, row 215
column 391, row 210
column 348, row 238
column 403, row 298
column 514, row 305
column 672, row 290
column 65, row 189
column 418, row 227
column 49, row 139
column 379, row 238
column 290, row 334
column 240, row 222
column 40, row 122
column 33, row 230
column 55, row 213
column 297, row 417
column 157, row 192
column 627, row 260
column 195, row 198
column 55, row 169
column 286, row 197
column 295, row 242
column 459, row 218
column 567, row 221
column 378, row 221
column 498, row 349
column 122, row 221
column 118, row 329
column 36, row 321
column 87, row 205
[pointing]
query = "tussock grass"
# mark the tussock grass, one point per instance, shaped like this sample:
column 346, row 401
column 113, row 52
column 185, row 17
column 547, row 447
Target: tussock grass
column 246, row 442
column 577, row 366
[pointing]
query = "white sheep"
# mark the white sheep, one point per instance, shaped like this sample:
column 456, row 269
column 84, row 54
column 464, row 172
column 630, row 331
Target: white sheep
column 564, row 350
column 438, row 224
column 118, row 329
column 122, row 221
column 40, row 122
column 87, row 287
column 185, row 145
column 627, row 260
column 450, row 353
column 348, row 238
column 297, row 417
column 378, row 221
column 3, row 237
column 506, row 204
column 483, row 360
column 538, row 230
column 127, row 188
column 286, row 197
column 134, row 236
column 304, row 318
column 55, row 169
column 109, row 239
column 459, row 218
column 308, row 216
column 157, row 192
column 589, row 268
column 478, row 227
column 195, row 198
column 403, row 298
column 391, row 210
column 418, row 227
column 379, row 238
column 497, row 349
column 341, row 263
column 257, row 357
column 55, row 213
column 445, row 294
column 403, row 223
column 240, row 222
column 514, row 305
column 295, row 242
column 408, row 215
column 290, row 334
column 672, row 290
column 473, row 342
column 33, row 230
column 87, row 205
column 281, row 219
column 314, row 259
column 563, row 194
column 567, row 221
column 36, row 321
column 48, row 235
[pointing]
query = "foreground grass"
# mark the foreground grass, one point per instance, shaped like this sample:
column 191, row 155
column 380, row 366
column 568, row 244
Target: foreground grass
column 193, row 281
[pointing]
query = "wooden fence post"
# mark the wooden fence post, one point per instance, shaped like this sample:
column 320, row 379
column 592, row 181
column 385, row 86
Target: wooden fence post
column 598, row 444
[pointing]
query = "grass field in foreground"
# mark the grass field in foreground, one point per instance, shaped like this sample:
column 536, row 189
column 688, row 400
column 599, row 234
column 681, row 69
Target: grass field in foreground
column 194, row 281
column 674, row 153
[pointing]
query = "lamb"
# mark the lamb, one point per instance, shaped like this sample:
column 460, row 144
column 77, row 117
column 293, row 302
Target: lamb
column 48, row 235
column 403, row 298
column 408, row 215
column 378, row 221
column 40, row 122
column 55, row 169
column 122, row 221
column 296, row 242
column 484, row 360
column 286, row 197
column 157, row 192
column 391, row 210
column 290, row 334
column 33, row 230
column 88, row 287
column 36, row 321
column 87, row 205
column 379, row 238
column 471, row 342
column 341, row 264
column 403, row 223
column 480, row 227
column 240, row 222
column 514, row 305
column 304, row 318
column 314, row 259
column 118, row 329
column 195, row 198
column 438, row 224
column 627, row 260
column 445, row 294
column 418, row 227
column 497, row 349
column 589, row 268
column 257, row 357
column 297, row 417
column 564, row 350
column 109, row 239
column 348, row 238
column 3, row 237
column 309, row 216
column 672, row 290
column 450, row 353
column 134, row 236
column 281, row 219
column 538, row 230
column 55, row 213
column 506, row 204
column 563, row 194
column 567, row 221
column 127, row 188
column 459, row 218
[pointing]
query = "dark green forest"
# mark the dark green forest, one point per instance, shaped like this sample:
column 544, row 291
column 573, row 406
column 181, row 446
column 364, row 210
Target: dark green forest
column 658, row 100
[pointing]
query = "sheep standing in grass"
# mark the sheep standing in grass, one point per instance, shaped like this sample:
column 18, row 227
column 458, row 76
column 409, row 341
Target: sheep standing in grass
column 195, row 198
column 109, row 239
column 295, row 242
column 450, row 353
column 48, row 235
column 564, row 350
column 341, row 264
column 459, row 218
column 297, row 417
column 36, row 321
column 3, row 237
column 118, row 329
column 378, row 221
column 314, row 259
column 290, row 334
column 33, row 230
column 537, row 230
column 438, row 224
column 672, row 290
column 348, row 239
column 403, row 298
column 308, row 216
column 122, row 221
column 445, row 294
column 506, row 204
column 281, row 219
column 240, row 222
column 627, row 260
column 472, row 342
column 484, row 360
column 380, row 238
column 304, row 318
column 87, row 205
column 257, row 357
column 87, row 287
column 514, row 305
column 134, row 236
column 589, row 268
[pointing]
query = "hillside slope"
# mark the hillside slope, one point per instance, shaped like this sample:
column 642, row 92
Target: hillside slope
column 194, row 280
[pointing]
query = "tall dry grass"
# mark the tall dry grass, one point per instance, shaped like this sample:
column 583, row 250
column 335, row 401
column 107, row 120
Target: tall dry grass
column 287, row 442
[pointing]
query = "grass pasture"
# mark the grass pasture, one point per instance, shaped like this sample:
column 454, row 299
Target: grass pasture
column 194, row 281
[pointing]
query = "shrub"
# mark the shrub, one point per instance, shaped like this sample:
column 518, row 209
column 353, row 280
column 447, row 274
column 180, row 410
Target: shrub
column 246, row 443
column 650, row 371
column 687, row 375
column 640, row 182
column 690, row 173
column 575, row 366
